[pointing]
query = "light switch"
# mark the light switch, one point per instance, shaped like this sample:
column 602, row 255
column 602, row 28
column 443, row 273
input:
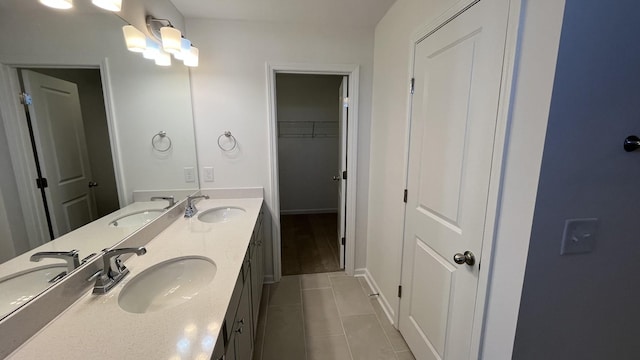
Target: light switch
column 189, row 174
column 579, row 236
column 208, row 173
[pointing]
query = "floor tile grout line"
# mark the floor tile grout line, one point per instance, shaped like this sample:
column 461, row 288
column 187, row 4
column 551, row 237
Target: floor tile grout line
column 380, row 323
column 304, row 333
column 346, row 339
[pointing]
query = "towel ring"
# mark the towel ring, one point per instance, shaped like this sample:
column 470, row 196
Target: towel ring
column 230, row 138
column 159, row 136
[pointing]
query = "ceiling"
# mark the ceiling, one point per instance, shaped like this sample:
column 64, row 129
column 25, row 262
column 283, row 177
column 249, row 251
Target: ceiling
column 348, row 13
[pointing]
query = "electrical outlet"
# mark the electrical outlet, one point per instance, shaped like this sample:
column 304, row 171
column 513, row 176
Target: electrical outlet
column 189, row 174
column 208, row 173
column 579, row 236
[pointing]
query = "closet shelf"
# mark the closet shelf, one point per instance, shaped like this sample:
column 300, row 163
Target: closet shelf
column 307, row 129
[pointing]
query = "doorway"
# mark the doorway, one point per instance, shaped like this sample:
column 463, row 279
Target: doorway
column 310, row 110
column 350, row 74
column 68, row 131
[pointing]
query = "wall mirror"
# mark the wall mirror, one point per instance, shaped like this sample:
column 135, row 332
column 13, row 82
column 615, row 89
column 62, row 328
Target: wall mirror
column 100, row 132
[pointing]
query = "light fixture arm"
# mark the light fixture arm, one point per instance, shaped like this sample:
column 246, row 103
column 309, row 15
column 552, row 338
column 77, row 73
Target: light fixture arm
column 154, row 25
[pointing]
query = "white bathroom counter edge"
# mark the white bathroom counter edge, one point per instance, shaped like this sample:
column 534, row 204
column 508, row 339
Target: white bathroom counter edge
column 96, row 327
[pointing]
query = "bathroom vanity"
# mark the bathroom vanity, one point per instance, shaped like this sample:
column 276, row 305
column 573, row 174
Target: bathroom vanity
column 195, row 294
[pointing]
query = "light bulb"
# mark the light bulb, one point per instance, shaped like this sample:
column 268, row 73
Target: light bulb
column 111, row 5
column 58, row 4
column 152, row 50
column 185, row 47
column 163, row 58
column 191, row 58
column 171, row 38
column 135, row 39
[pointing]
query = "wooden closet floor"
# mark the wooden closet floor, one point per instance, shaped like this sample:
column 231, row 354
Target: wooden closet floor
column 309, row 243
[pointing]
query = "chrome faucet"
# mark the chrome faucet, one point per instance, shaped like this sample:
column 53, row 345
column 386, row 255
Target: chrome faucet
column 170, row 199
column 113, row 269
column 191, row 207
column 71, row 257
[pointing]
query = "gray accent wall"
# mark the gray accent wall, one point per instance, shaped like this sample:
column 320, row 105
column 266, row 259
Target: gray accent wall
column 587, row 306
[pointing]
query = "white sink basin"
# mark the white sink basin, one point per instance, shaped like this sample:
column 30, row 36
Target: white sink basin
column 21, row 287
column 136, row 219
column 221, row 214
column 167, row 284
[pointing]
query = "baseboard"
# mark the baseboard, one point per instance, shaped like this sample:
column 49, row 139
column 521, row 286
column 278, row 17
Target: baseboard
column 361, row 272
column 384, row 303
column 308, row 211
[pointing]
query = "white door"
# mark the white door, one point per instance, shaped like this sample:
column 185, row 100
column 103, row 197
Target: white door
column 457, row 73
column 62, row 150
column 342, row 156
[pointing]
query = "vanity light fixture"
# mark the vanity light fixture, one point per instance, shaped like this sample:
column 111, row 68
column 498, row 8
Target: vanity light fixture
column 135, row 39
column 172, row 42
column 58, row 4
column 152, row 50
column 185, row 47
column 111, row 5
column 191, row 59
column 171, row 39
column 163, row 58
column 163, row 31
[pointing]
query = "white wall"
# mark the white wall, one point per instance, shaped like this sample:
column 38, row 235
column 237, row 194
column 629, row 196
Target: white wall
column 393, row 37
column 306, row 165
column 230, row 93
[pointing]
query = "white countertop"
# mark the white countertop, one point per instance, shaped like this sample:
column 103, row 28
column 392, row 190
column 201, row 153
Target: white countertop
column 95, row 327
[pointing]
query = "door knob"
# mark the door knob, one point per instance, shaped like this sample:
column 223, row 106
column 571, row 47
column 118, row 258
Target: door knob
column 336, row 178
column 466, row 258
column 92, row 184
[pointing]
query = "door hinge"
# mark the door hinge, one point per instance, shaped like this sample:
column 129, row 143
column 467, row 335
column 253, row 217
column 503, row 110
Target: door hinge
column 25, row 99
column 405, row 195
column 345, row 102
column 42, row 183
column 344, row 175
column 412, row 85
column 399, row 291
column 343, row 241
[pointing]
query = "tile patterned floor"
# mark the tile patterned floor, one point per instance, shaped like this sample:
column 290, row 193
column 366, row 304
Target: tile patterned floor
column 326, row 316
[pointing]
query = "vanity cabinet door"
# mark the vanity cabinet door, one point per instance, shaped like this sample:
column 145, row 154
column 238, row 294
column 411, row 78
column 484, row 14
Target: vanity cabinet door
column 231, row 350
column 257, row 272
column 243, row 334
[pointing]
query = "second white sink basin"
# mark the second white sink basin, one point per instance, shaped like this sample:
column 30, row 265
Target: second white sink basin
column 221, row 214
column 167, row 284
column 136, row 219
column 19, row 288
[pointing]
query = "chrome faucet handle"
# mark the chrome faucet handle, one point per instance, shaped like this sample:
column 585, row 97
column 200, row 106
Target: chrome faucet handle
column 71, row 257
column 113, row 269
column 191, row 209
column 170, row 199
